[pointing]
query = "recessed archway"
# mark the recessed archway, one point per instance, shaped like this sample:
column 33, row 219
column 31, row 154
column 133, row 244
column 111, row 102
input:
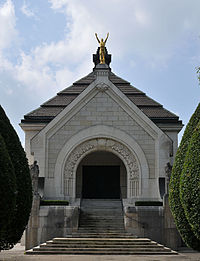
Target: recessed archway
column 107, row 138
column 101, row 174
column 105, row 144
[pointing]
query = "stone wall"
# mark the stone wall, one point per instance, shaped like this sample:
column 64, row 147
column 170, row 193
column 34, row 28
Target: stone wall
column 47, row 222
column 102, row 109
column 154, row 222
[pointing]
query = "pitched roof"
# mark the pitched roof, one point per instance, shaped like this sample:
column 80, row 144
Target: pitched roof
column 50, row 109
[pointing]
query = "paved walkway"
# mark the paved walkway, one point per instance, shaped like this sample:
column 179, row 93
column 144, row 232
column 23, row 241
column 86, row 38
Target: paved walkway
column 17, row 254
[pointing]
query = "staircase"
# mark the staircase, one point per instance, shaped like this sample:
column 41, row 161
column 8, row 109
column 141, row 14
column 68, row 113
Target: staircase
column 101, row 218
column 101, row 232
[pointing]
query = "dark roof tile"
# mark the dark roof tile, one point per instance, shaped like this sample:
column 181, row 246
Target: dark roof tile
column 117, row 80
column 59, row 100
column 86, row 80
column 44, row 112
column 157, row 112
column 54, row 106
column 143, row 100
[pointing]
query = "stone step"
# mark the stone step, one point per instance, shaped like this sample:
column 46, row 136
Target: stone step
column 111, row 204
column 110, row 211
column 101, row 228
column 95, row 216
column 91, row 221
column 101, row 246
column 106, row 227
column 89, row 235
column 96, row 252
column 88, row 248
column 101, row 216
column 110, row 226
column 96, row 240
column 105, row 245
column 101, row 225
column 99, row 222
column 97, row 213
column 100, row 251
column 101, row 235
column 102, row 207
column 101, row 231
column 101, row 243
column 99, row 202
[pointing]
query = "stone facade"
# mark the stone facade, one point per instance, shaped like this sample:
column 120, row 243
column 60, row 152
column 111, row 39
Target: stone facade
column 100, row 127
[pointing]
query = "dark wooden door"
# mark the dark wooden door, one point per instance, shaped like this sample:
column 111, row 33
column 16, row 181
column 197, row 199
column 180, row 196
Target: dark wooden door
column 101, row 182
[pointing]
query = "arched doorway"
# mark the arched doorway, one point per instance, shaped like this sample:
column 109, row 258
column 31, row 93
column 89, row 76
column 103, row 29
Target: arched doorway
column 101, row 175
column 105, row 144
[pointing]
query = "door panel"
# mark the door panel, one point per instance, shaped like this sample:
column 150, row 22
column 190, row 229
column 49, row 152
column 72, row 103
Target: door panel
column 101, row 182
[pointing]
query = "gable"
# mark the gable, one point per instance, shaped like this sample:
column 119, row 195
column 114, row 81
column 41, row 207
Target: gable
column 101, row 103
column 101, row 109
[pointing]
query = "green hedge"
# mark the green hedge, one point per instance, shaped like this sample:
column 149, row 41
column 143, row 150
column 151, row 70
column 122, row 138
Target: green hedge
column 7, row 194
column 54, row 203
column 148, row 203
column 190, row 183
column 177, row 209
column 23, row 179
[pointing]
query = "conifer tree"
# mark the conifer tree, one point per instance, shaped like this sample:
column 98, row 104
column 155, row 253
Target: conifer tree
column 176, row 206
column 23, row 179
column 7, row 194
column 190, row 183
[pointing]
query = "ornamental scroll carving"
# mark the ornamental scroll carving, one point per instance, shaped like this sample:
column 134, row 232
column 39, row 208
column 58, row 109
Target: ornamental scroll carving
column 102, row 87
column 99, row 144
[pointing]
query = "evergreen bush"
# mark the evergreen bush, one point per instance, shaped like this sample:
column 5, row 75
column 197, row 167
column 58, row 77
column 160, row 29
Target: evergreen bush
column 190, row 183
column 23, row 179
column 177, row 209
column 7, row 194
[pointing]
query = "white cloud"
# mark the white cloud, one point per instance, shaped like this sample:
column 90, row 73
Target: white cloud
column 37, row 78
column 57, row 4
column 7, row 24
column 149, row 29
column 27, row 11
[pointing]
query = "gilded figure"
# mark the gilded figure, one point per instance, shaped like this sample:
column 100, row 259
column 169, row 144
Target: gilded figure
column 102, row 48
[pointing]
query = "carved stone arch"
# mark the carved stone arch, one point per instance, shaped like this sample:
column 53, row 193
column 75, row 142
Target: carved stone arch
column 105, row 144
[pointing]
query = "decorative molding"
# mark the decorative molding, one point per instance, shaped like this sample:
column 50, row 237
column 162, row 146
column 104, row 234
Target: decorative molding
column 102, row 73
column 129, row 158
column 105, row 144
column 102, row 87
column 75, row 155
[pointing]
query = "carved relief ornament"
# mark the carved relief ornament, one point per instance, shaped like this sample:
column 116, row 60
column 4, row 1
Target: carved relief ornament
column 101, row 144
column 102, row 87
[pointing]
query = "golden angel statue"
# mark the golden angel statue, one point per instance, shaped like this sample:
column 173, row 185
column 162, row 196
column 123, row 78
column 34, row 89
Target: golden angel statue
column 102, row 48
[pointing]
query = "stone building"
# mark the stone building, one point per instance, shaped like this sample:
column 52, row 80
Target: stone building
column 101, row 138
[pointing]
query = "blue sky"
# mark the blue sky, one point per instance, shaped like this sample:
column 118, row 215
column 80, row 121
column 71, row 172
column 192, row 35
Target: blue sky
column 46, row 45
